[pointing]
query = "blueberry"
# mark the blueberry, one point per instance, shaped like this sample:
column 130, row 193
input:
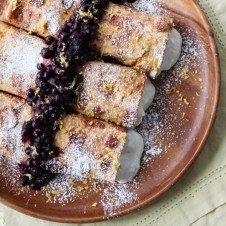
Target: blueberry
column 47, row 147
column 66, row 27
column 53, row 47
column 23, row 168
column 45, row 178
column 59, row 71
column 46, row 53
column 26, row 131
column 47, row 75
column 35, row 186
column 44, row 136
column 28, row 151
column 55, row 128
column 35, row 171
column 75, row 35
column 30, row 93
column 40, row 82
column 49, row 40
column 63, row 36
column 53, row 117
column 30, row 102
column 41, row 67
column 69, row 109
column 76, row 25
column 55, row 98
column 43, row 155
column 40, row 75
column 27, row 126
column 68, row 96
column 53, row 109
column 24, row 180
column 33, row 161
column 88, row 31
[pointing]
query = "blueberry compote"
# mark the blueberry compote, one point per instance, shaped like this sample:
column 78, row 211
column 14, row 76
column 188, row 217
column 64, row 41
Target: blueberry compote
column 54, row 92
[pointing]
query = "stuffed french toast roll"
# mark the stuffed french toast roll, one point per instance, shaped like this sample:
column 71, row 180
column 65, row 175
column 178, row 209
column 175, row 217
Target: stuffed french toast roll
column 114, row 93
column 97, row 149
column 43, row 17
column 109, row 92
column 19, row 56
column 14, row 112
column 145, row 42
column 90, row 148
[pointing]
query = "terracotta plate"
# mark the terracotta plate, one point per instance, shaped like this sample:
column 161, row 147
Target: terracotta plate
column 175, row 128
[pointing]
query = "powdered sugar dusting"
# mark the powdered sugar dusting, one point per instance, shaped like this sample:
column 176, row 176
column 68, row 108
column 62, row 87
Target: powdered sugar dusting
column 115, row 197
column 16, row 46
column 154, row 151
column 13, row 48
column 153, row 7
column 64, row 191
column 159, row 123
column 38, row 3
column 67, row 4
column 78, row 161
column 10, row 173
column 10, row 131
column 54, row 11
column 116, row 95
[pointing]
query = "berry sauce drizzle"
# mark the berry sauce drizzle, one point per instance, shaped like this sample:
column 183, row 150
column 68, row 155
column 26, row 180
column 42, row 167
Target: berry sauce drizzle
column 54, row 93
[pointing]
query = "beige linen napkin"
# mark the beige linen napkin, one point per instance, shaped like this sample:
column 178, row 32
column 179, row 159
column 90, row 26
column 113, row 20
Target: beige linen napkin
column 216, row 217
column 199, row 198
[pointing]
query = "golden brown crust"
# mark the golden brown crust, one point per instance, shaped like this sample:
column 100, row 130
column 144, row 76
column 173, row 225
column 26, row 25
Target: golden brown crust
column 13, row 113
column 163, row 24
column 19, row 56
column 134, row 38
column 110, row 92
column 98, row 143
column 40, row 17
column 3, row 5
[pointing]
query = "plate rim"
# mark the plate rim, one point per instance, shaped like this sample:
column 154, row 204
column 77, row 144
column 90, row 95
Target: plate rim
column 169, row 184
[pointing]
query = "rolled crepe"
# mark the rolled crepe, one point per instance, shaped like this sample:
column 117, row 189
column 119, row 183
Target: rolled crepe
column 97, row 149
column 13, row 113
column 91, row 148
column 114, row 93
column 43, row 17
column 110, row 92
column 19, row 56
column 145, row 42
